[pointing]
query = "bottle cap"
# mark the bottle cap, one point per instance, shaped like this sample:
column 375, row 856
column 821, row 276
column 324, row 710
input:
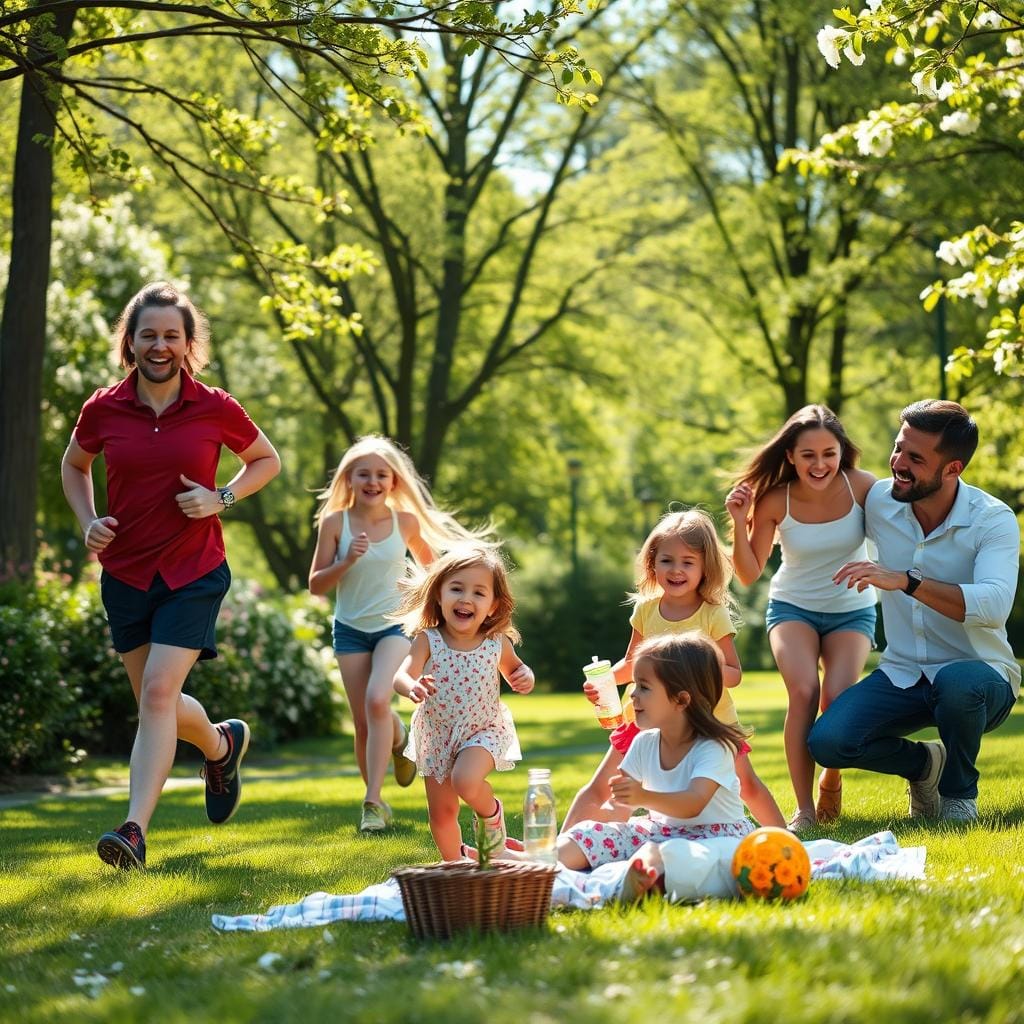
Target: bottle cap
column 596, row 668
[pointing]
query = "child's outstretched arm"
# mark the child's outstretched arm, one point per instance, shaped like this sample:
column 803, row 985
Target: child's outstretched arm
column 517, row 673
column 409, row 680
column 688, row 804
column 410, row 527
column 732, row 673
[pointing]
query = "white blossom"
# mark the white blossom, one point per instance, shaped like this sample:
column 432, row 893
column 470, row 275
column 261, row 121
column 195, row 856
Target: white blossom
column 829, row 40
column 1014, row 46
column 873, row 138
column 960, row 122
column 988, row 19
column 956, row 251
column 1011, row 284
column 855, row 58
column 924, row 83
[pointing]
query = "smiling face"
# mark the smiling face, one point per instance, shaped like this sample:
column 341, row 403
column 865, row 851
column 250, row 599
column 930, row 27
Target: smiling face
column 653, row 706
column 918, row 470
column 467, row 599
column 816, row 457
column 371, row 480
column 678, row 568
column 159, row 343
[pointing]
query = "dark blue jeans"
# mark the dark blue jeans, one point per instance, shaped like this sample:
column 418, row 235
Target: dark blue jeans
column 864, row 727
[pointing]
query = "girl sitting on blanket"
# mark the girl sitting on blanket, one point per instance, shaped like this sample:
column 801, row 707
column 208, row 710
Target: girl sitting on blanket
column 680, row 768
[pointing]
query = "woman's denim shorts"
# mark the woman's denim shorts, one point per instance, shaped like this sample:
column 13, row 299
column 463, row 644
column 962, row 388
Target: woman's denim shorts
column 860, row 620
column 354, row 641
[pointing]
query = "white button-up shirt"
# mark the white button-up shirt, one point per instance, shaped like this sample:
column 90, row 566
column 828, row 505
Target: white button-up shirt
column 978, row 548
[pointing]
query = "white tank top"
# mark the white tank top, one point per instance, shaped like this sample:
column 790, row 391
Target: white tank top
column 369, row 590
column 811, row 555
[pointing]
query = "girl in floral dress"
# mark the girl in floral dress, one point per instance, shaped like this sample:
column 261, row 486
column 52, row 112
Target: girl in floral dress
column 459, row 613
column 680, row 768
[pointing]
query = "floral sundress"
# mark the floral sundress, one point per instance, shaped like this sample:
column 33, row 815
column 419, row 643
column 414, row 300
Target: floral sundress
column 465, row 711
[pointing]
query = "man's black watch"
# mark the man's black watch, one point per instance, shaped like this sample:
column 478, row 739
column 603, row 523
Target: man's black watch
column 227, row 499
column 914, row 579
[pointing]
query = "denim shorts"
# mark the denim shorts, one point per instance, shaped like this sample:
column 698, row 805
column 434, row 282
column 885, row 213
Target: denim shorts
column 354, row 641
column 860, row 620
column 186, row 617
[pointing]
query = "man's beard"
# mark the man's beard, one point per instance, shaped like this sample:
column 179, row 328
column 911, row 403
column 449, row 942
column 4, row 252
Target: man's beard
column 918, row 490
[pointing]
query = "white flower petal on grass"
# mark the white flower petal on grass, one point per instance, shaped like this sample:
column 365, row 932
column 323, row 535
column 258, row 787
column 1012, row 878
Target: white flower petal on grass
column 137, row 990
column 829, row 40
column 328, row 936
column 269, row 960
column 10, row 988
column 960, row 122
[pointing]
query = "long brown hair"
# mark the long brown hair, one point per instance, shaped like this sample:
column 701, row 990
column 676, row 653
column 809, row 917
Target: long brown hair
column 420, row 606
column 691, row 663
column 160, row 293
column 768, row 466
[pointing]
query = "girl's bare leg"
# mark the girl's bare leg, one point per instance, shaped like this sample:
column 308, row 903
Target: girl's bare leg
column 443, row 809
column 380, row 719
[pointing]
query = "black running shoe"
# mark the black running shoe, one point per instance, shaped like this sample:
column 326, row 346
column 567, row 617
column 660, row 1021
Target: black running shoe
column 223, row 781
column 124, row 848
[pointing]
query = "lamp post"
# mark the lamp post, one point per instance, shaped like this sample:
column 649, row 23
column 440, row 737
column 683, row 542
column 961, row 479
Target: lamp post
column 574, row 467
column 648, row 502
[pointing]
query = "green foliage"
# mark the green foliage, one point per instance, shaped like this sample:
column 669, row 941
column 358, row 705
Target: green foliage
column 66, row 688
column 36, row 702
column 566, row 619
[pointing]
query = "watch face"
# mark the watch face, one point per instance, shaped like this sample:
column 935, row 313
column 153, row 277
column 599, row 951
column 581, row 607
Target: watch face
column 227, row 499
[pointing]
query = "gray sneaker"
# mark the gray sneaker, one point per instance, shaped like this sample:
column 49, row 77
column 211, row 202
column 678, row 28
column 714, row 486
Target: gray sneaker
column 959, row 808
column 925, row 801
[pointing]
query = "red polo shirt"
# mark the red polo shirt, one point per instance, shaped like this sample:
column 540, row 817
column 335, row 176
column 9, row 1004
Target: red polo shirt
column 145, row 455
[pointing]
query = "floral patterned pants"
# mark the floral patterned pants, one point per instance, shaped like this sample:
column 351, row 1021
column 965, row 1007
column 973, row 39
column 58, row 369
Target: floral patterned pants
column 605, row 841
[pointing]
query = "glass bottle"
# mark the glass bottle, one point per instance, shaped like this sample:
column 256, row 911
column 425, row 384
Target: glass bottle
column 540, row 824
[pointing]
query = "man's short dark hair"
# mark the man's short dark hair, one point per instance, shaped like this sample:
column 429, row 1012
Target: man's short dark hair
column 958, row 433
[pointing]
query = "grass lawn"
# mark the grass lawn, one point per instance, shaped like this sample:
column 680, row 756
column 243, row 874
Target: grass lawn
column 950, row 948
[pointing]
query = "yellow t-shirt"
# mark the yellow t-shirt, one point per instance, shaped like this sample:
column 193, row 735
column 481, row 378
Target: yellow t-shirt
column 710, row 619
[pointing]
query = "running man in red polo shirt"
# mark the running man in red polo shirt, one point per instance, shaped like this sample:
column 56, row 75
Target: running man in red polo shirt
column 160, row 544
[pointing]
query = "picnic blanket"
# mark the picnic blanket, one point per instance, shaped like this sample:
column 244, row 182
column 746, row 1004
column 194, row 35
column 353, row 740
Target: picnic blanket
column 693, row 871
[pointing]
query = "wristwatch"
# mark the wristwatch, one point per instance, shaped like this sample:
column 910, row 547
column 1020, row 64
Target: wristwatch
column 227, row 499
column 914, row 579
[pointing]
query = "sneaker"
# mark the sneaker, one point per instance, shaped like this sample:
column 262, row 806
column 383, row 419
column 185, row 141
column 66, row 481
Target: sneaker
column 494, row 834
column 375, row 817
column 223, row 781
column 404, row 769
column 959, row 808
column 925, row 801
column 124, row 847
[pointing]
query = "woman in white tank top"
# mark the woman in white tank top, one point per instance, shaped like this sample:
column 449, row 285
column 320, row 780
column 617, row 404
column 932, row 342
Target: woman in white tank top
column 802, row 490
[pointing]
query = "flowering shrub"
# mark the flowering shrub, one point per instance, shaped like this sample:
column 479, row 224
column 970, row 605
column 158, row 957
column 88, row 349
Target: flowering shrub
column 36, row 703
column 65, row 688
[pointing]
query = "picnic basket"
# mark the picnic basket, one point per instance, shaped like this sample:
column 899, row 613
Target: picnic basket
column 452, row 896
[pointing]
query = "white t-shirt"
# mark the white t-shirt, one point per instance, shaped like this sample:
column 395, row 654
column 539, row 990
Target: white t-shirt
column 706, row 759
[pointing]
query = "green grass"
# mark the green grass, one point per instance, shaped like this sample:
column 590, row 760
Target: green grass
column 950, row 948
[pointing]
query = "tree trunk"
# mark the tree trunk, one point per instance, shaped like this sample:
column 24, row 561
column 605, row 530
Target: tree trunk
column 23, row 322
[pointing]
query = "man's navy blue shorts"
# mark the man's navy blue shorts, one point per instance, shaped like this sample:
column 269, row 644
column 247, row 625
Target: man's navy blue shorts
column 186, row 617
